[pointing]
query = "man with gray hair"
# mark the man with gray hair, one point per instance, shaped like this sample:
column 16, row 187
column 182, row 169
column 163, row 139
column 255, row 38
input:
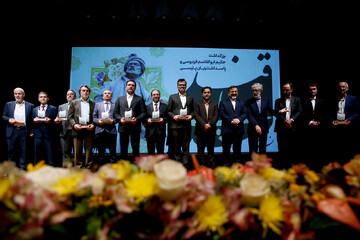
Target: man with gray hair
column 18, row 116
column 134, row 68
column 259, row 108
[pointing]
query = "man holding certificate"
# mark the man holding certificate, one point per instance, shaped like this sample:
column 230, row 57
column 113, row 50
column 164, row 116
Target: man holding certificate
column 130, row 111
column 105, row 129
column 155, row 124
column 81, row 119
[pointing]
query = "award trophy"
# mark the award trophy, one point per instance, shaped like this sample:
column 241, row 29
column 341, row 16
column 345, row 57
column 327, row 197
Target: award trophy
column 62, row 116
column 341, row 118
column 41, row 115
column 183, row 113
column 105, row 118
column 155, row 116
column 128, row 115
column 84, row 122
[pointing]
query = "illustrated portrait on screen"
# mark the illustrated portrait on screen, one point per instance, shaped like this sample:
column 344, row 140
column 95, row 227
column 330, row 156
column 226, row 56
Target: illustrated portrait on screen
column 117, row 72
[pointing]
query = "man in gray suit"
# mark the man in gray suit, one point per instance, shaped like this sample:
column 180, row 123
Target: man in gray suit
column 130, row 111
column 206, row 115
column 66, row 139
column 81, row 119
column 181, row 112
column 105, row 129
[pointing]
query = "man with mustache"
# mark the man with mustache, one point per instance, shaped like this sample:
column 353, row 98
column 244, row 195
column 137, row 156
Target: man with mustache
column 233, row 112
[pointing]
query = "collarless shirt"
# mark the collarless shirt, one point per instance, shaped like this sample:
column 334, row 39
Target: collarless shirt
column 19, row 112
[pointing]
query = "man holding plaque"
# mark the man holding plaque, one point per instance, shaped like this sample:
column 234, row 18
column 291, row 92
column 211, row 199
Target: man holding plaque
column 180, row 112
column 155, row 124
column 345, row 116
column 66, row 139
column 105, row 129
column 43, row 128
column 18, row 116
column 81, row 119
column 129, row 111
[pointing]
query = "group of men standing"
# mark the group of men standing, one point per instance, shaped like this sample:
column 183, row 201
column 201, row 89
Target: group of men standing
column 300, row 124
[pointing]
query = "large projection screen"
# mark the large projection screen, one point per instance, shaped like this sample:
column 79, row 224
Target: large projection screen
column 103, row 68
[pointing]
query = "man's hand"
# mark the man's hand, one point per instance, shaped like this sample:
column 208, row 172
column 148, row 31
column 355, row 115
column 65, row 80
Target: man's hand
column 235, row 121
column 258, row 129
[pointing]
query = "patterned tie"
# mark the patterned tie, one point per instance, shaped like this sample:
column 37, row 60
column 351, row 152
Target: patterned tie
column 106, row 106
column 156, row 107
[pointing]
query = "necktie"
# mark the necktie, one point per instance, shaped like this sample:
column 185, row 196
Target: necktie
column 106, row 106
column 43, row 107
column 156, row 107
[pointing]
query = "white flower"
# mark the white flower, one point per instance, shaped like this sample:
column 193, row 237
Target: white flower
column 46, row 176
column 253, row 188
column 171, row 177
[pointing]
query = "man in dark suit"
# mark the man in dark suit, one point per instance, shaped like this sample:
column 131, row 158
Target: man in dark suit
column 18, row 116
column 232, row 112
column 206, row 115
column 344, row 118
column 155, row 124
column 314, row 123
column 105, row 129
column 130, row 111
column 43, row 128
column 181, row 112
column 66, row 139
column 258, row 109
column 289, row 109
column 81, row 119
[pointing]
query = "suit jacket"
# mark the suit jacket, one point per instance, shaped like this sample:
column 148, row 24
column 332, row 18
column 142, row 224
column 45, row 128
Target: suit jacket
column 42, row 129
column 9, row 113
column 352, row 109
column 295, row 112
column 97, row 115
column 174, row 109
column 160, row 128
column 318, row 114
column 75, row 113
column 202, row 119
column 227, row 114
column 138, row 111
column 64, row 125
column 259, row 118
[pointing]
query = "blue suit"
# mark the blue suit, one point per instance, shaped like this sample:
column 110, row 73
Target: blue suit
column 231, row 134
column 17, row 136
column 105, row 134
column 43, row 134
column 260, row 119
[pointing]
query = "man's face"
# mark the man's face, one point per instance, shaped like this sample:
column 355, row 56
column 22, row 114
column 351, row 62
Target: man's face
column 181, row 86
column 43, row 99
column 312, row 91
column 107, row 96
column 133, row 69
column 233, row 93
column 84, row 93
column 130, row 88
column 256, row 92
column 206, row 94
column 287, row 90
column 70, row 95
column 19, row 95
column 155, row 96
column 342, row 88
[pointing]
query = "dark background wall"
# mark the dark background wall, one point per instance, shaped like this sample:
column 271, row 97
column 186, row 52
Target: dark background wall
column 317, row 41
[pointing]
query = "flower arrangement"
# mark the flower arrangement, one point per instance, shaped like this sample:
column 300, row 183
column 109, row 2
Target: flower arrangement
column 157, row 198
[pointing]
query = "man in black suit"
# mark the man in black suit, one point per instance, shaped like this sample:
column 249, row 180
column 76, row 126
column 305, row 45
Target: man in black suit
column 155, row 124
column 313, row 128
column 43, row 128
column 289, row 109
column 180, row 112
column 232, row 112
column 18, row 117
column 129, row 112
column 206, row 115
column 258, row 108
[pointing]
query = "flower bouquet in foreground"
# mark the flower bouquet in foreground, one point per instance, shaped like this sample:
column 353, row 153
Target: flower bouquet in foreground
column 157, row 198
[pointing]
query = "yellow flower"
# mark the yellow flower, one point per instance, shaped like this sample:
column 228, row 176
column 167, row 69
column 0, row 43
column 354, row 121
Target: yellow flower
column 4, row 187
column 96, row 201
column 67, row 184
column 141, row 185
column 212, row 214
column 311, row 177
column 123, row 169
column 270, row 173
column 295, row 188
column 229, row 174
column 270, row 212
column 30, row 167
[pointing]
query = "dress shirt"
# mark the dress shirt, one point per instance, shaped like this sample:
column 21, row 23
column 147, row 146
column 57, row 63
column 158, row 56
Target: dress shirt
column 183, row 100
column 287, row 103
column 107, row 106
column 258, row 102
column 158, row 105
column 207, row 109
column 85, row 109
column 313, row 102
column 341, row 109
column 19, row 113
column 233, row 102
column 129, row 98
